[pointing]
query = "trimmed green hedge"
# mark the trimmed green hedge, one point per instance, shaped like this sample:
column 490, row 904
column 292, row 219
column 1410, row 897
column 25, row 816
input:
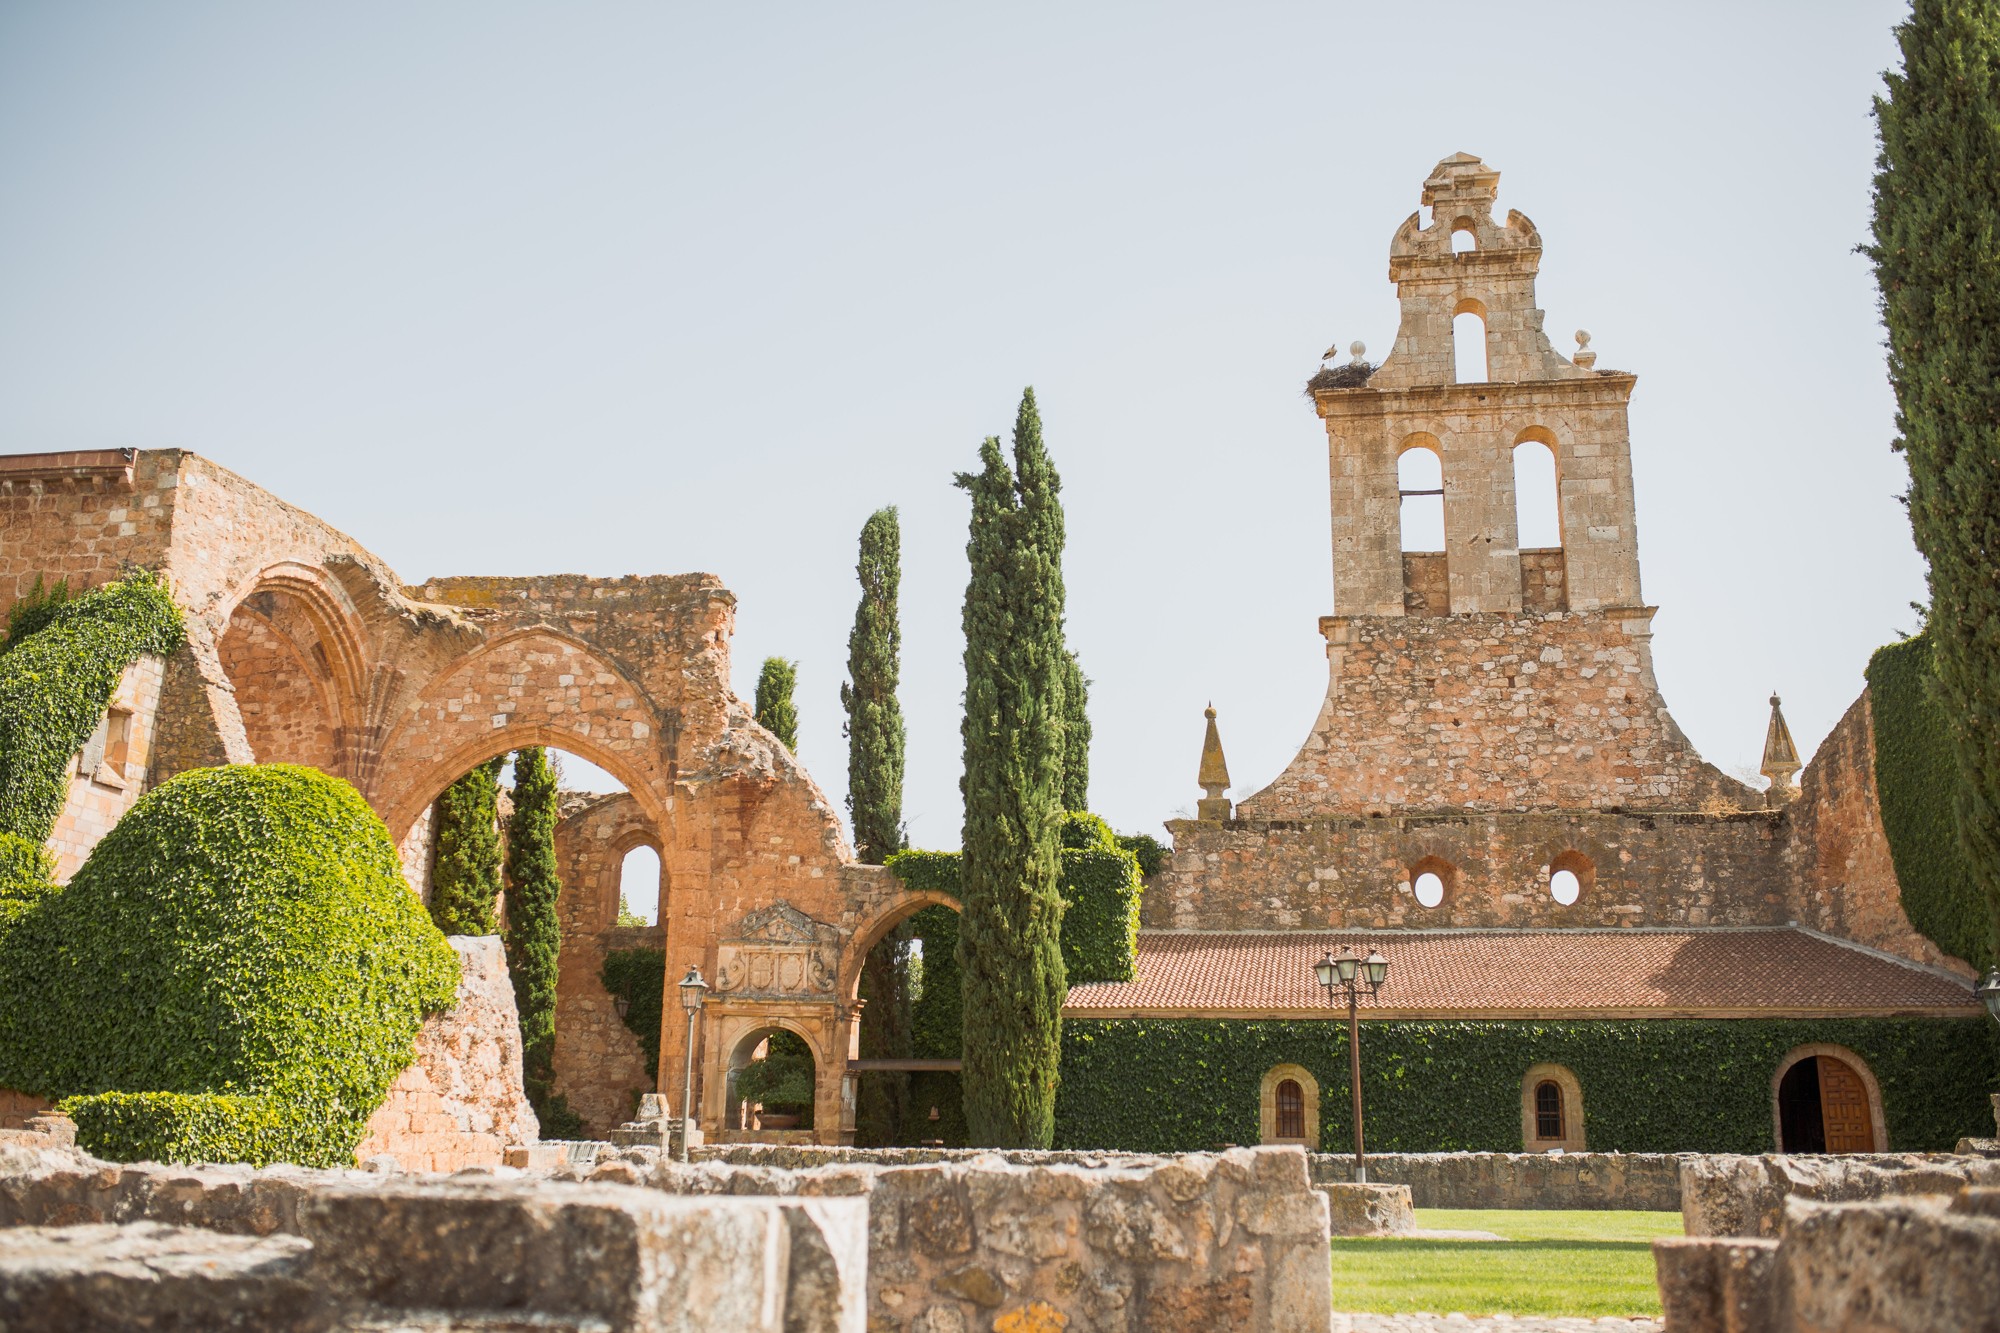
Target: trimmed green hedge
column 199, row 1127
column 1651, row 1085
column 243, row 930
column 639, row 977
column 1917, row 779
column 1100, row 885
column 56, row 682
column 938, row 1001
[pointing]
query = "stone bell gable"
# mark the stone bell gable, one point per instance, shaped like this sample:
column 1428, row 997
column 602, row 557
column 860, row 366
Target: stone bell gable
column 1492, row 720
column 1484, row 676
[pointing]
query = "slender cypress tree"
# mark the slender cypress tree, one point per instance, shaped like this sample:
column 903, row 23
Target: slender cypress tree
column 534, row 934
column 1015, row 666
column 1937, row 260
column 774, row 700
column 465, row 869
column 874, row 717
column 1076, row 735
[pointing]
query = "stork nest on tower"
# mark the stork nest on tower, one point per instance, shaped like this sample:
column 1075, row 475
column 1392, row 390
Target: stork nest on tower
column 1339, row 377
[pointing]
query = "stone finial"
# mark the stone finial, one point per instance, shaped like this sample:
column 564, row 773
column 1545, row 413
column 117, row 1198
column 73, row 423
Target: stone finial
column 1359, row 351
column 1584, row 356
column 1462, row 184
column 1781, row 756
column 1214, row 776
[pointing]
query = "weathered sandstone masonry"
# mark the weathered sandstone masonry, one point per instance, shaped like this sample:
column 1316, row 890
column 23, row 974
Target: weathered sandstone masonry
column 303, row 647
column 1491, row 713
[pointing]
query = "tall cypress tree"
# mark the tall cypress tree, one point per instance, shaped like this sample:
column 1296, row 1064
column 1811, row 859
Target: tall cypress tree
column 1076, row 735
column 874, row 717
column 1015, row 667
column 465, row 865
column 775, row 709
column 1937, row 260
column 534, row 933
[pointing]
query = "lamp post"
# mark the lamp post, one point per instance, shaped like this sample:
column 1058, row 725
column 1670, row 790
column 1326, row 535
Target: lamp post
column 692, row 989
column 1988, row 991
column 1349, row 971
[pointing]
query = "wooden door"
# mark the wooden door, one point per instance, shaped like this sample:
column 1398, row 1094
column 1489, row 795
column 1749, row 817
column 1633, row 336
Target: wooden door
column 1843, row 1107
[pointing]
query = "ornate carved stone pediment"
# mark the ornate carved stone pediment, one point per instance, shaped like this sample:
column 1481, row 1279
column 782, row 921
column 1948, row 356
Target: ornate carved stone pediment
column 780, row 952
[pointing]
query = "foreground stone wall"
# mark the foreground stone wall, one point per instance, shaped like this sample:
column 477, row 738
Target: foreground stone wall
column 90, row 1245
column 1649, row 1182
column 1745, row 1196
column 1188, row 1244
column 1906, row 1265
column 460, row 1103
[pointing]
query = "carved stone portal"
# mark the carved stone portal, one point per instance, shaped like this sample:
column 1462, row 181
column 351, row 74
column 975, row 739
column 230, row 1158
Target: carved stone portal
column 778, row 951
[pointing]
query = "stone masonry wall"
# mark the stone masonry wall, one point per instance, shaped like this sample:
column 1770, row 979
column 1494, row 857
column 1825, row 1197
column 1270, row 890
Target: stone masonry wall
column 1843, row 881
column 460, row 1102
column 1635, row 870
column 99, row 797
column 1649, row 1182
column 1493, row 712
column 599, row 1064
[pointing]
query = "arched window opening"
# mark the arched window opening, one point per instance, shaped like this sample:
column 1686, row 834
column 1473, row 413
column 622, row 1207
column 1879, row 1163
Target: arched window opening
column 1564, row 887
column 639, row 887
column 1291, row 1110
column 1420, row 484
column 1463, row 239
column 1537, row 513
column 1548, row 1110
column 1468, row 345
column 1429, row 889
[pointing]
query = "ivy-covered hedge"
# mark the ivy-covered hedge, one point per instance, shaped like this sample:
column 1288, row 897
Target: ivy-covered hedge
column 56, row 682
column 243, row 931
column 1100, row 886
column 1653, row 1085
column 639, row 977
column 1917, row 779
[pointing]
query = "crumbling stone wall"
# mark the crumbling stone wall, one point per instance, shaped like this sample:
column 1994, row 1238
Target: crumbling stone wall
column 106, row 779
column 599, row 1065
column 1649, row 1182
column 1842, row 879
column 1639, row 869
column 460, row 1103
column 1726, row 1195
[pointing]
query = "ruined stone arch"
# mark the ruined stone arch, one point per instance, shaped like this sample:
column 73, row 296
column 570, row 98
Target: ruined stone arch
column 534, row 686
column 292, row 647
column 742, row 1035
column 864, row 939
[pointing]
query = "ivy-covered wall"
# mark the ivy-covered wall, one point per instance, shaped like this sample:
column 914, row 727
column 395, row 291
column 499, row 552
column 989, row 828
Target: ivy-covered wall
column 1653, row 1085
column 1917, row 781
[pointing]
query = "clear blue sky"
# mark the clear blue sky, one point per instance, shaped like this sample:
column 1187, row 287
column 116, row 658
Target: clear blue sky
column 506, row 288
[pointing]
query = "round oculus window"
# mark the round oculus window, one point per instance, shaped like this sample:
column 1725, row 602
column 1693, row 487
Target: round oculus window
column 1563, row 887
column 1430, row 889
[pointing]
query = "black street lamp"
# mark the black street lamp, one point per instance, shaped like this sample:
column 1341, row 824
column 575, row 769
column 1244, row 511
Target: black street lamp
column 692, row 989
column 1349, row 971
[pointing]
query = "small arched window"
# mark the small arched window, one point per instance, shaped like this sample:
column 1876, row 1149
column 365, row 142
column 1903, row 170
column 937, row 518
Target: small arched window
column 1291, row 1110
column 1548, row 1110
column 1463, row 240
column 1468, row 344
column 1420, row 485
column 639, row 888
column 1537, row 517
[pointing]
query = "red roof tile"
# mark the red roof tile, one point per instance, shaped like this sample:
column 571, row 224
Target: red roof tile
column 1500, row 973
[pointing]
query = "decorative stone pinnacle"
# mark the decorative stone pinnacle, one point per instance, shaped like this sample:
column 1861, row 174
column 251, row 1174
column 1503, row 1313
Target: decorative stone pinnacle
column 1781, row 756
column 1359, row 351
column 1213, row 779
column 1584, row 356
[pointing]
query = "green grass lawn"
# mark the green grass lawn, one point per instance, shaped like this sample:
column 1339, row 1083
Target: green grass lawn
column 1549, row 1263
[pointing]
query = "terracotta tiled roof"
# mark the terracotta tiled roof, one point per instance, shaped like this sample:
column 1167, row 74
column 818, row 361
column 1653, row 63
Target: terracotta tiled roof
column 1499, row 973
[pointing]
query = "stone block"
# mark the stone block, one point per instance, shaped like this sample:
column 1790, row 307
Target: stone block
column 1369, row 1209
column 1909, row 1265
column 83, row 1279
column 1745, row 1196
column 1710, row 1285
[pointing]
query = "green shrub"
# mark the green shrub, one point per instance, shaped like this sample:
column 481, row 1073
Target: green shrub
column 465, row 862
column 56, row 683
column 198, row 1127
column 639, row 977
column 1649, row 1085
column 534, row 934
column 1917, row 779
column 243, row 930
column 1152, row 853
column 937, row 1002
